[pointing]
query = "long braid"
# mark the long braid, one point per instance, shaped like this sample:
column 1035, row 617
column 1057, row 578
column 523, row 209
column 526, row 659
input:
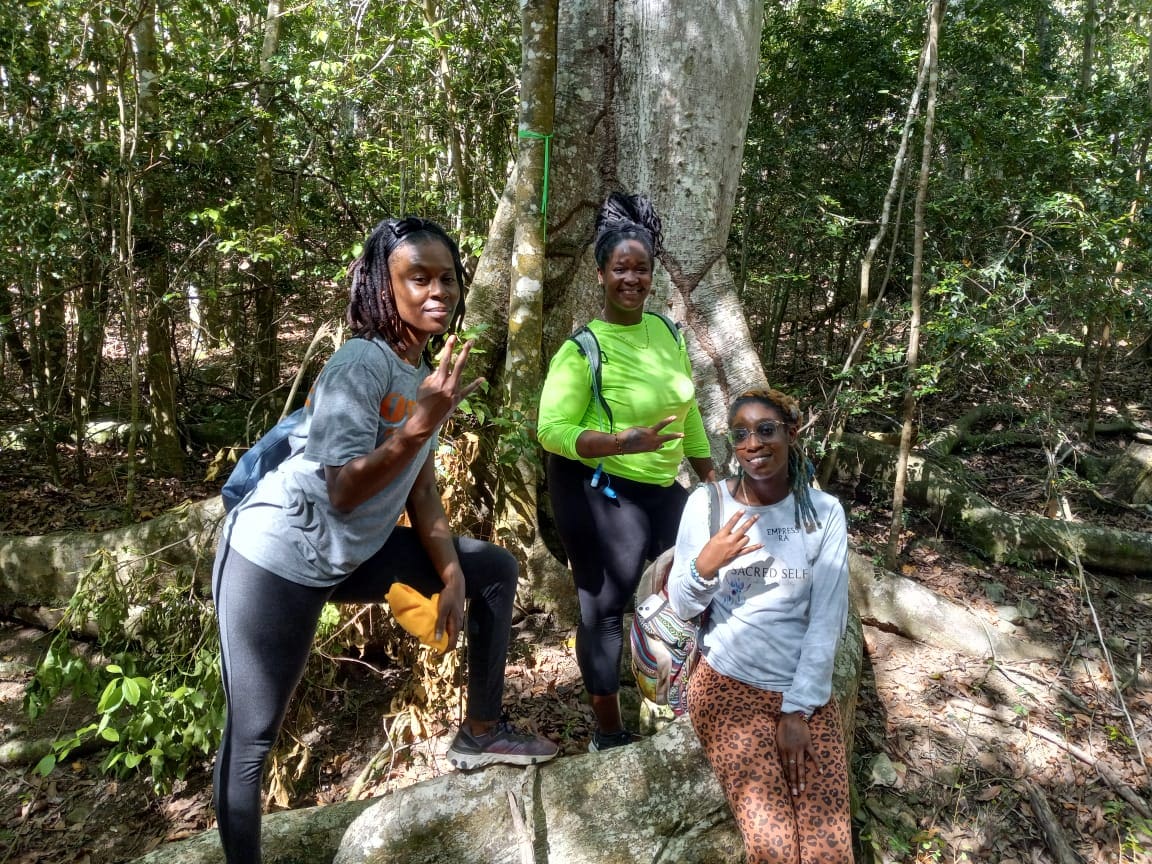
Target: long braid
column 800, row 468
column 371, row 303
column 627, row 217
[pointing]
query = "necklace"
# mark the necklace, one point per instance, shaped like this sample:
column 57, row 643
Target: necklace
column 744, row 494
column 647, row 339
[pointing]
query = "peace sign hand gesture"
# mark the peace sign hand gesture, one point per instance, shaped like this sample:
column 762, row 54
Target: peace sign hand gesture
column 726, row 545
column 440, row 393
column 647, row 439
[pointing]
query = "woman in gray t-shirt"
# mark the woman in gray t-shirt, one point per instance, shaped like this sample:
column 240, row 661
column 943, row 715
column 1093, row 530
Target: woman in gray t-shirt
column 322, row 526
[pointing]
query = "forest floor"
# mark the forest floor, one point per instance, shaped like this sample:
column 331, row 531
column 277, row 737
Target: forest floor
column 955, row 758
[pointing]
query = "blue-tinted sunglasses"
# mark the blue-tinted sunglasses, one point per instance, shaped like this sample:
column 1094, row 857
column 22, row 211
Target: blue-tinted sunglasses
column 599, row 476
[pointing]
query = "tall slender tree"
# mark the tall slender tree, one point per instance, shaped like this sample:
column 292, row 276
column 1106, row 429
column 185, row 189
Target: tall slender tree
column 912, row 358
column 151, row 253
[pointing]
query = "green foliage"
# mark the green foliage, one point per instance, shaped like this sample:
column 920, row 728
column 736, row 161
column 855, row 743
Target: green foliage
column 363, row 124
column 1035, row 229
column 154, row 674
column 1133, row 829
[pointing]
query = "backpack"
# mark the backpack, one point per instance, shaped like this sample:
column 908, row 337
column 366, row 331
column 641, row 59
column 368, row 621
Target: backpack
column 272, row 448
column 665, row 647
column 589, row 346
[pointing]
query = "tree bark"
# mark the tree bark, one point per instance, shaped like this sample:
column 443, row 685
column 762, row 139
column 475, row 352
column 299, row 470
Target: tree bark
column 263, row 268
column 522, row 369
column 931, row 59
column 167, row 454
column 996, row 534
column 644, row 104
column 682, row 112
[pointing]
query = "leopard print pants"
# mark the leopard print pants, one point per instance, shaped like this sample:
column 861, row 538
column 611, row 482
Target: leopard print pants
column 736, row 724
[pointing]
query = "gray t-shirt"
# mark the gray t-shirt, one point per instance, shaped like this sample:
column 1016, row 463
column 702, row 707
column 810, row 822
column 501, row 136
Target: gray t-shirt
column 286, row 524
column 776, row 615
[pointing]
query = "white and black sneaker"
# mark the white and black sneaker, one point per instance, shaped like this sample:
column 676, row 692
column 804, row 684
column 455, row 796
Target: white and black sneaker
column 601, row 741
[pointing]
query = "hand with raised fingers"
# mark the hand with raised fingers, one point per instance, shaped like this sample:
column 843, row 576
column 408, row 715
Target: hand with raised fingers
column 441, row 392
column 646, row 439
column 727, row 544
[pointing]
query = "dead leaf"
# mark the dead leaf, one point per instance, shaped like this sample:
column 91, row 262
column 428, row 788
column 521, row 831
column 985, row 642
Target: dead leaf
column 989, row 793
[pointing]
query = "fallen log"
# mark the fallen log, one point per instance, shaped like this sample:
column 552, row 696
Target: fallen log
column 997, row 534
column 1130, row 479
column 44, row 570
column 1054, row 834
column 959, row 435
column 891, row 602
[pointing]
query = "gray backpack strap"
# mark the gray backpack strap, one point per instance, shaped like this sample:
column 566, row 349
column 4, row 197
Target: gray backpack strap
column 715, row 508
column 589, row 346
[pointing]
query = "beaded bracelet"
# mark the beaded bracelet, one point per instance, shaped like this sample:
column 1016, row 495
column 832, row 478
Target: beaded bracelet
column 696, row 577
column 619, row 443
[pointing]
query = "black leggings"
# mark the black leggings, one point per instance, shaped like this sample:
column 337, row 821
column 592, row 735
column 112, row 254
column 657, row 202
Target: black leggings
column 266, row 628
column 607, row 542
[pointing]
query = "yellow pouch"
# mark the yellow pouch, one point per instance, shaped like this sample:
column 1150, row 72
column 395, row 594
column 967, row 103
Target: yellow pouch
column 417, row 614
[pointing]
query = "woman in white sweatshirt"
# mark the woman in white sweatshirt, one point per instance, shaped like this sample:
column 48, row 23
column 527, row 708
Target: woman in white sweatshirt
column 774, row 581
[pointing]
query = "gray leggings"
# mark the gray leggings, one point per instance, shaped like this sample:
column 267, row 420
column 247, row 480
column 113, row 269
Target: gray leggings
column 266, row 628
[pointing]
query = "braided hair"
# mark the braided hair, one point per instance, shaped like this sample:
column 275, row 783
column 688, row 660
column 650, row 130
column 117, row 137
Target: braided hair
column 372, row 305
column 627, row 217
column 800, row 468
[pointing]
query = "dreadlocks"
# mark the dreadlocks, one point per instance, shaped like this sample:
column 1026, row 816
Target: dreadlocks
column 627, row 217
column 800, row 468
column 372, row 305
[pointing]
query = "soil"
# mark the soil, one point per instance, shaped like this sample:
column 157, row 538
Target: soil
column 955, row 758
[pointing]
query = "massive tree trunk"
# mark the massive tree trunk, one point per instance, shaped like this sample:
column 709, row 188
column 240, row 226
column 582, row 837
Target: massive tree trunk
column 682, row 112
column 645, row 104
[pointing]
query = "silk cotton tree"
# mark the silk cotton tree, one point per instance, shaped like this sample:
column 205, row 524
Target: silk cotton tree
column 646, row 104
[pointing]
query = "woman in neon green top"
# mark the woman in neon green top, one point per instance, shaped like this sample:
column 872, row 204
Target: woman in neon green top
column 612, row 467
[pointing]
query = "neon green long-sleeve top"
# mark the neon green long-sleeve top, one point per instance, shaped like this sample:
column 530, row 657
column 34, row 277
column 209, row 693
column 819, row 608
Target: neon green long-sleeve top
column 645, row 376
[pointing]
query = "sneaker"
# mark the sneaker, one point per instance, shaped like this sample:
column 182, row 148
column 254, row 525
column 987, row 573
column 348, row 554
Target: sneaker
column 501, row 744
column 607, row 741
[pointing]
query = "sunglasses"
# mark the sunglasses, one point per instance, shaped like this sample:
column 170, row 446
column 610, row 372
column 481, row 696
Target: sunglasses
column 599, row 477
column 764, row 431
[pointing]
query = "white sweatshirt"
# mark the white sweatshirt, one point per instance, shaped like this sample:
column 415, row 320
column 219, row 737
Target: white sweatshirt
column 775, row 616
